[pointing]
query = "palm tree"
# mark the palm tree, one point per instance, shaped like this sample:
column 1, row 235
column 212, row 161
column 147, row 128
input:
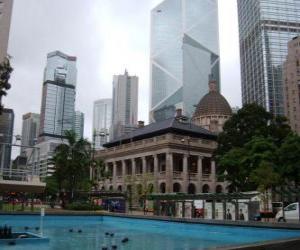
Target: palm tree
column 72, row 161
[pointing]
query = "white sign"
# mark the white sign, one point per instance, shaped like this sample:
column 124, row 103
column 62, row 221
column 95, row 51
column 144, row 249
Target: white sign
column 243, row 211
column 208, row 210
column 198, row 203
column 230, row 211
column 219, row 211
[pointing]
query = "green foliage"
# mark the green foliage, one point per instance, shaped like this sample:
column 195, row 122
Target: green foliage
column 5, row 71
column 72, row 162
column 251, row 148
column 83, row 206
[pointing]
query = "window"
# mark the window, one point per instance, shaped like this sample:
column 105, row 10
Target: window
column 291, row 207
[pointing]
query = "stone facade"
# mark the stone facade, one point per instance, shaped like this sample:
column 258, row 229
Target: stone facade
column 165, row 163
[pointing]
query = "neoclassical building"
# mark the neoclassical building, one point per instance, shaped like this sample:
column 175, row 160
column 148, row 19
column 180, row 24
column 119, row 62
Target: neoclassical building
column 172, row 155
column 213, row 110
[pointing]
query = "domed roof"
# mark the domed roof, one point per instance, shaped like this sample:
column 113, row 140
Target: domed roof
column 213, row 103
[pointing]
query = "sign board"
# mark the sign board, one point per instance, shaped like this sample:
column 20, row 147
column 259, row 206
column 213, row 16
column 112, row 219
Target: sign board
column 208, row 210
column 219, row 213
column 243, row 211
column 230, row 211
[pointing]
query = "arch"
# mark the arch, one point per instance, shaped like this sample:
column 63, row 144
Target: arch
column 128, row 188
column 219, row 189
column 162, row 187
column 191, row 188
column 205, row 188
column 176, row 187
column 150, row 188
column 111, row 188
column 103, row 188
column 120, row 188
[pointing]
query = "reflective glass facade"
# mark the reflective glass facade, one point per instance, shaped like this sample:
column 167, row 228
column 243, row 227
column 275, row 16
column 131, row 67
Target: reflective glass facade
column 58, row 100
column 101, row 121
column 184, row 52
column 265, row 27
column 79, row 124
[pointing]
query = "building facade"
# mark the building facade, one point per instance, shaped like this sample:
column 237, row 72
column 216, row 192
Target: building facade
column 291, row 87
column 58, row 98
column 265, row 27
column 30, row 130
column 167, row 156
column 6, row 7
column 124, row 104
column 79, row 124
column 213, row 110
column 184, row 52
column 102, row 118
column 6, row 137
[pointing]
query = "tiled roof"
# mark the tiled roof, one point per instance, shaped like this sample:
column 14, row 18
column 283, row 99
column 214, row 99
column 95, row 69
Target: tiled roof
column 173, row 125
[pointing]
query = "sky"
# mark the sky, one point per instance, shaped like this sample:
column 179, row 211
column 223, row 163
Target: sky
column 106, row 36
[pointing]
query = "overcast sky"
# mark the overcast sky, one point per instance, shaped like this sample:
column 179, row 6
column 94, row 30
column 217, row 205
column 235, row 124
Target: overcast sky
column 106, row 36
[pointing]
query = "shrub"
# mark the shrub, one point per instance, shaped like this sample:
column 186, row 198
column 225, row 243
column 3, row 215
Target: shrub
column 83, row 206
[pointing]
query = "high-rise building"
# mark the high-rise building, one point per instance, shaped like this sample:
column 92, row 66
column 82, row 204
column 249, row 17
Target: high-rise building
column 265, row 27
column 58, row 100
column 184, row 52
column 124, row 104
column 5, row 20
column 101, row 121
column 291, row 87
column 30, row 130
column 79, row 124
column 6, row 137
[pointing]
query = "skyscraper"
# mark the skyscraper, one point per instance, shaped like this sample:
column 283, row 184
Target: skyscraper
column 30, row 130
column 5, row 19
column 265, row 27
column 124, row 104
column 58, row 100
column 291, row 87
column 101, row 121
column 6, row 137
column 79, row 124
column 184, row 52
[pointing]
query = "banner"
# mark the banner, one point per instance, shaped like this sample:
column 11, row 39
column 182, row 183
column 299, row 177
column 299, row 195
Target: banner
column 208, row 210
column 219, row 211
column 230, row 211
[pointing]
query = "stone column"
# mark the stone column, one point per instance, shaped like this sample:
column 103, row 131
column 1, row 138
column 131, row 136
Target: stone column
column 144, row 165
column 169, row 172
column 123, row 170
column 185, row 174
column 114, row 173
column 133, row 166
column 213, row 176
column 156, row 172
column 199, row 174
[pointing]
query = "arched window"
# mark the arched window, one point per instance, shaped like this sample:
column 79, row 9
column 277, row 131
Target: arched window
column 205, row 189
column 191, row 188
column 162, row 187
column 176, row 187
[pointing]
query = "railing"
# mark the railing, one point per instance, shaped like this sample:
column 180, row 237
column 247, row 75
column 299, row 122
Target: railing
column 206, row 176
column 162, row 174
column 193, row 176
column 177, row 175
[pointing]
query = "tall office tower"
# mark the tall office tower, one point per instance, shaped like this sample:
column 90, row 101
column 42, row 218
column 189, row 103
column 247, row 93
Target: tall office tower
column 6, row 137
column 101, row 121
column 184, row 52
column 124, row 104
column 5, row 19
column 30, row 130
column 58, row 100
column 291, row 87
column 265, row 27
column 79, row 124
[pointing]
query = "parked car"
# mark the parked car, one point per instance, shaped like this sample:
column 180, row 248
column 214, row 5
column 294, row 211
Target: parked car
column 291, row 212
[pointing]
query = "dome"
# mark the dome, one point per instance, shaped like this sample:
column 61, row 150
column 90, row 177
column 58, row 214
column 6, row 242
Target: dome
column 213, row 103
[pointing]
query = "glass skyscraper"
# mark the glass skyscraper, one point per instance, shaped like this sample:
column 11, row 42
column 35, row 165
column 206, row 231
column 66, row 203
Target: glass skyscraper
column 78, row 124
column 58, row 100
column 265, row 27
column 101, row 121
column 184, row 52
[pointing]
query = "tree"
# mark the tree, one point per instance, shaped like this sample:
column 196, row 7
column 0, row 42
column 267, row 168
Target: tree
column 289, row 159
column 251, row 138
column 5, row 71
column 72, row 162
